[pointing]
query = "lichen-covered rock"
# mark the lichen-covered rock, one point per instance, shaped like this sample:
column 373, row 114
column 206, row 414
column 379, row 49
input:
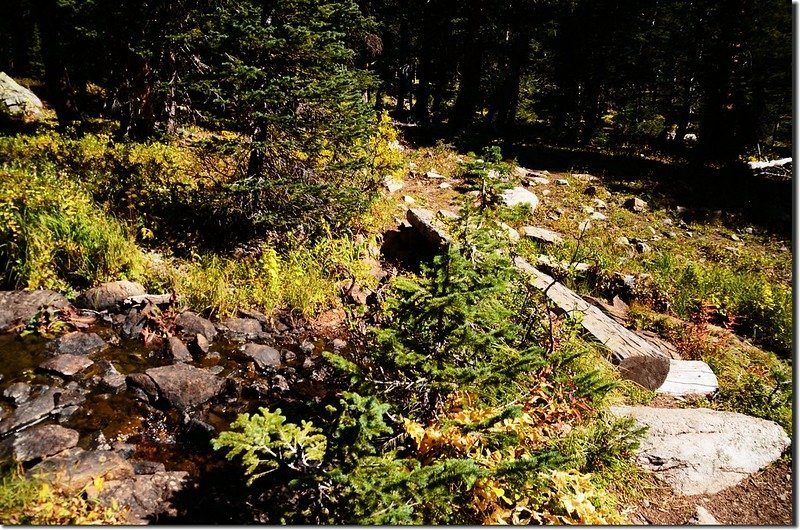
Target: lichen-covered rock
column 67, row 364
column 703, row 451
column 17, row 103
column 75, row 468
column 78, row 343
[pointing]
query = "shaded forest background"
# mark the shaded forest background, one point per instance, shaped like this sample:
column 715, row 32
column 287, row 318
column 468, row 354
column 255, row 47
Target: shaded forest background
column 601, row 72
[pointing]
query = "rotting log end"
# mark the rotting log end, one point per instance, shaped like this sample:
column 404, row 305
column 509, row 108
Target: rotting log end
column 648, row 371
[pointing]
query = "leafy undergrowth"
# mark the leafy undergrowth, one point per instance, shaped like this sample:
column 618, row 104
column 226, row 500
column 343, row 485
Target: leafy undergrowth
column 26, row 501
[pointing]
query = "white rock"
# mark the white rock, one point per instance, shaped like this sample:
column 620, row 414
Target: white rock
column 600, row 204
column 703, row 451
column 408, row 199
column 520, row 195
column 445, row 185
column 703, row 517
column 542, row 235
column 545, row 192
column 539, row 180
column 562, row 182
column 597, row 216
column 433, row 175
column 520, row 172
column 392, row 184
column 513, row 235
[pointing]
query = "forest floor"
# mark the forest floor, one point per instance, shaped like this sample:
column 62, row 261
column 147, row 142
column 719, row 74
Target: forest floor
column 731, row 239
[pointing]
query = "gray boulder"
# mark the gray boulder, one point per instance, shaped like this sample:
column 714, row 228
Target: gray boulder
column 18, row 307
column 176, row 350
column 183, row 385
column 17, row 103
column 635, row 204
column 37, row 442
column 542, row 235
column 109, row 295
column 50, row 401
column 703, row 451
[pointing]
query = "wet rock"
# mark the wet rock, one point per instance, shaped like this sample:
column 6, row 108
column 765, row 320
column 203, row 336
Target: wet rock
column 78, row 343
column 520, row 196
column 18, row 307
column 123, row 449
column 247, row 327
column 175, row 349
column 147, row 496
column 338, row 345
column 200, row 345
column 635, row 204
column 75, row 468
column 19, row 392
column 264, row 356
column 541, row 235
column 144, row 383
column 17, row 103
column 110, row 378
column 67, row 364
column 703, row 451
column 183, row 385
column 50, row 401
column 109, row 295
column 307, row 347
column 194, row 324
column 37, row 442
column 97, row 442
column 133, row 323
column 147, row 467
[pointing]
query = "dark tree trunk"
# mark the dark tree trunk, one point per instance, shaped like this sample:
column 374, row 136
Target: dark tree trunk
column 506, row 100
column 62, row 88
column 469, row 88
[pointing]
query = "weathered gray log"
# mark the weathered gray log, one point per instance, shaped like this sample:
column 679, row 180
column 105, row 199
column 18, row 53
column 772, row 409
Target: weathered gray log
column 651, row 366
column 689, row 378
column 650, row 371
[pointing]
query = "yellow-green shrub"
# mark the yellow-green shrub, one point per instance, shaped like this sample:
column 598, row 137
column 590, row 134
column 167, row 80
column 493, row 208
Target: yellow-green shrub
column 53, row 235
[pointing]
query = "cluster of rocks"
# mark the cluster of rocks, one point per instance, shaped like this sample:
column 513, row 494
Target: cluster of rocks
column 199, row 369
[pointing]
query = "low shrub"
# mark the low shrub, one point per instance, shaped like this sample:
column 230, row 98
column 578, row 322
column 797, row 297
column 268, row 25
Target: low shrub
column 52, row 235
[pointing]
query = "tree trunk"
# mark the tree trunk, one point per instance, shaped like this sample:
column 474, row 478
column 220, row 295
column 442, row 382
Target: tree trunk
column 506, row 100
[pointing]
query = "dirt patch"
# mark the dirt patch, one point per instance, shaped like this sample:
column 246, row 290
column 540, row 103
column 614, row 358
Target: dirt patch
column 764, row 498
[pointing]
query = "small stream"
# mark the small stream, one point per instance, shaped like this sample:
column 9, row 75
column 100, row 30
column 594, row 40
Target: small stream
column 121, row 420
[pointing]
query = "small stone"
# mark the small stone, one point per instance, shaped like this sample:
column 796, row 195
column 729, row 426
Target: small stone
column 338, row 345
column 667, row 221
column 289, row 356
column 542, row 235
column 600, row 204
column 622, row 241
column 671, row 234
column 445, row 185
column 434, row 175
column 748, row 230
column 635, row 204
column 67, row 364
column 734, row 237
column 200, row 344
column 176, row 350
column 562, row 182
column 280, row 383
column 597, row 216
column 264, row 356
column 19, row 392
column 520, row 172
column 587, row 209
column 539, row 180
column 642, row 247
column 545, row 192
column 307, row 347
column 511, row 232
column 193, row 324
column 408, row 199
column 243, row 326
column 392, row 184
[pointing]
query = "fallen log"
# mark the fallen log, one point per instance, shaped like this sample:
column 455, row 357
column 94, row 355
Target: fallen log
column 639, row 360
